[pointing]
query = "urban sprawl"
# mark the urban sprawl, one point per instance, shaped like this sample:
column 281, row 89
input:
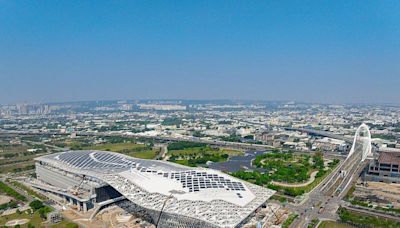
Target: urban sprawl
column 193, row 163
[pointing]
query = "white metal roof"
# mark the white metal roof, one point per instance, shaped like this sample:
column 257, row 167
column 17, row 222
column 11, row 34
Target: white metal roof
column 225, row 200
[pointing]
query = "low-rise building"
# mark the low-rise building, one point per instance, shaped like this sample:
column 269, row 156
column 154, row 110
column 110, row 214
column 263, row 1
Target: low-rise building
column 385, row 168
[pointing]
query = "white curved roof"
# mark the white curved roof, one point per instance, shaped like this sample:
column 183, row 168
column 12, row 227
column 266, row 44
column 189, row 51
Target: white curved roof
column 200, row 193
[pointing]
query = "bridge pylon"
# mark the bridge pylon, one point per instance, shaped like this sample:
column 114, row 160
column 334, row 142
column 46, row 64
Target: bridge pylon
column 366, row 142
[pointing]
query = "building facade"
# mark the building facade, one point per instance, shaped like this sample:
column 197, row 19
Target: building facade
column 172, row 194
column 385, row 168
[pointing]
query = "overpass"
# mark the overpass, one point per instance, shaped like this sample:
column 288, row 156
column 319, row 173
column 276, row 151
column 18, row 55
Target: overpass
column 232, row 145
column 320, row 133
column 324, row 200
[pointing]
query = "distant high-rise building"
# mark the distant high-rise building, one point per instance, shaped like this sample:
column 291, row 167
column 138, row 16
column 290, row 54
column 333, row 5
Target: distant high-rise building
column 22, row 109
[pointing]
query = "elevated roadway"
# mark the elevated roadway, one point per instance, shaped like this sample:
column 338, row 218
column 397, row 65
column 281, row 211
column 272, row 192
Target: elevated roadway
column 233, row 145
column 321, row 133
column 324, row 200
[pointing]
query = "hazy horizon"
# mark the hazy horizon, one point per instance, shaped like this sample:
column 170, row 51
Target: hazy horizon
column 210, row 101
column 319, row 52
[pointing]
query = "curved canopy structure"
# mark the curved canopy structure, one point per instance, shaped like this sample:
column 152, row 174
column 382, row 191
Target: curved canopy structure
column 195, row 197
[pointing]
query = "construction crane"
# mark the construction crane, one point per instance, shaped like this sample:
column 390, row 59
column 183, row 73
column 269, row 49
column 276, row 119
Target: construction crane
column 162, row 208
column 75, row 191
column 278, row 218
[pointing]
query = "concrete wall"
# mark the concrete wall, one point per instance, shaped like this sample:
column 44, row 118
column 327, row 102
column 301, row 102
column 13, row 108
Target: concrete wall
column 54, row 178
column 385, row 179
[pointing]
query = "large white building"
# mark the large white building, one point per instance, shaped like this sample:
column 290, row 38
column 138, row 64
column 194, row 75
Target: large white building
column 187, row 197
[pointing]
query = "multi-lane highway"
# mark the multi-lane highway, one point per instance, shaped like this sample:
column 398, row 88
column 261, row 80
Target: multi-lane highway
column 236, row 145
column 321, row 133
column 324, row 200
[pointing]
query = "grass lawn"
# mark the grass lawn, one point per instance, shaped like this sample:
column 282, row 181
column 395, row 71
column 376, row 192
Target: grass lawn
column 296, row 191
column 65, row 224
column 361, row 220
column 147, row 154
column 198, row 150
column 5, row 147
column 195, row 156
column 17, row 159
column 28, row 190
column 116, row 147
column 130, row 149
column 34, row 219
column 10, row 168
column 182, row 162
column 332, row 224
column 289, row 168
column 289, row 220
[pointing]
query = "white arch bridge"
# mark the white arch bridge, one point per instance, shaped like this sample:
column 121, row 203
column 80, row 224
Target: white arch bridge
column 346, row 173
column 330, row 192
column 362, row 143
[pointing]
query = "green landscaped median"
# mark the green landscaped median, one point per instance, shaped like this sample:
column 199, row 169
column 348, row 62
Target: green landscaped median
column 289, row 220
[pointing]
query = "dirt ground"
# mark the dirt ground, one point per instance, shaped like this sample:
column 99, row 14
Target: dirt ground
column 384, row 191
column 17, row 222
column 4, row 199
column 114, row 217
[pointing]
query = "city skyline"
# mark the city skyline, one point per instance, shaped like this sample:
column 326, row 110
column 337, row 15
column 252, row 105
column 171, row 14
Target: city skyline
column 107, row 102
column 342, row 52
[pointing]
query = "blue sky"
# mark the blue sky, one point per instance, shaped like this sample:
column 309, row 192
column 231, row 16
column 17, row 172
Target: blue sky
column 315, row 51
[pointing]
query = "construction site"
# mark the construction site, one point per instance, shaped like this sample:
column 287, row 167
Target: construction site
column 378, row 194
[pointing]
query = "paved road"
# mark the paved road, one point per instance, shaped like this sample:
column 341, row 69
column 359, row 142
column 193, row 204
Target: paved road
column 321, row 133
column 309, row 181
column 163, row 151
column 233, row 145
column 47, row 145
column 324, row 200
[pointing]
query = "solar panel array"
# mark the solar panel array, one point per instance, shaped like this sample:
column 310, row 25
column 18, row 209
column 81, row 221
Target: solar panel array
column 94, row 160
column 210, row 196
column 192, row 180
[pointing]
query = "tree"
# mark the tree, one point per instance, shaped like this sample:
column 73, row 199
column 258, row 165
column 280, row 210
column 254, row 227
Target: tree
column 36, row 204
column 43, row 212
column 71, row 225
column 225, row 156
